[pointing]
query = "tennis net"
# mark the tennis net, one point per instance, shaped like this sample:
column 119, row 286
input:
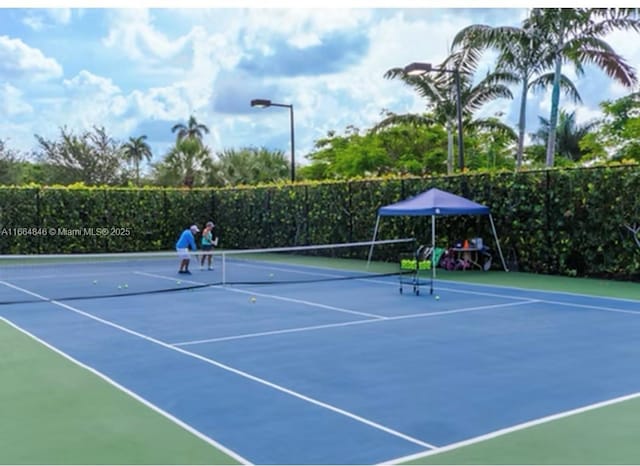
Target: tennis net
column 66, row 277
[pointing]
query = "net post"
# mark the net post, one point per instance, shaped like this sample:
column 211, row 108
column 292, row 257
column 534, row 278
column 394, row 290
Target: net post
column 375, row 233
column 223, row 264
column 495, row 236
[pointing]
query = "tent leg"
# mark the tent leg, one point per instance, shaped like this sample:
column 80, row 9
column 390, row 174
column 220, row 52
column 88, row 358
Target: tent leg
column 375, row 233
column 495, row 236
column 433, row 251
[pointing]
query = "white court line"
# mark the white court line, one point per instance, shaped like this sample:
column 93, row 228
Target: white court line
column 545, row 301
column 277, row 297
column 233, row 370
column 355, row 322
column 134, row 395
column 66, row 275
column 508, row 430
column 537, row 290
column 275, row 332
column 588, row 306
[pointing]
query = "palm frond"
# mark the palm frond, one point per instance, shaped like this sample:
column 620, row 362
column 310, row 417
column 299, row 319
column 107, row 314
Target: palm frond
column 406, row 119
column 493, row 124
column 611, row 63
column 546, row 80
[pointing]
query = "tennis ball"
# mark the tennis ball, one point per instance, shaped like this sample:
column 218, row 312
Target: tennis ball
column 126, row 286
column 271, row 275
column 95, row 282
column 119, row 287
column 437, row 298
column 178, row 282
column 252, row 299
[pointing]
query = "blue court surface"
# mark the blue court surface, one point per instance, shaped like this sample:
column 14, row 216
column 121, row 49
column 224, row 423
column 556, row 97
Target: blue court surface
column 346, row 372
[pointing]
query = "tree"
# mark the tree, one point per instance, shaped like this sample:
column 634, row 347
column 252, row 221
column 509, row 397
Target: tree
column 569, row 134
column 250, row 165
column 439, row 89
column 398, row 149
column 92, row 157
column 521, row 58
column 10, row 164
column 184, row 165
column 136, row 150
column 488, row 149
column 272, row 165
column 618, row 137
column 574, row 35
column 413, row 149
column 192, row 130
column 350, row 155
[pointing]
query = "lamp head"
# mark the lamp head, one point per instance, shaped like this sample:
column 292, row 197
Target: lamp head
column 260, row 103
column 417, row 69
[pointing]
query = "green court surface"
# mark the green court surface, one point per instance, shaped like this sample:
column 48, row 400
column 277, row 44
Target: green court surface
column 587, row 286
column 56, row 412
column 605, row 435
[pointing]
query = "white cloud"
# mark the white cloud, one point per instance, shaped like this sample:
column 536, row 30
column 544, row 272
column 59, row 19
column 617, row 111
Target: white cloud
column 60, row 15
column 11, row 101
column 39, row 19
column 19, row 61
column 86, row 83
column 161, row 103
column 92, row 100
column 35, row 22
column 133, row 34
column 301, row 27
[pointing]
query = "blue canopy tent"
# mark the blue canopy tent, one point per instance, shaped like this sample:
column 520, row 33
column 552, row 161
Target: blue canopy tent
column 435, row 202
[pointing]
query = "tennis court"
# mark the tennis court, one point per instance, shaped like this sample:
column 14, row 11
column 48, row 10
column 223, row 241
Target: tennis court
column 309, row 361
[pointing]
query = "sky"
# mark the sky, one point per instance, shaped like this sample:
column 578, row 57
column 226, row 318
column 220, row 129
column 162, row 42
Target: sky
column 140, row 71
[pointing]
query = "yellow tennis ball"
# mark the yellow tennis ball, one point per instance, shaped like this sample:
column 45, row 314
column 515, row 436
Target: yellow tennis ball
column 252, row 299
column 437, row 298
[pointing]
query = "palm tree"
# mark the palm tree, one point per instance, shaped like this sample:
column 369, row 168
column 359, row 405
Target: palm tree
column 568, row 134
column 439, row 89
column 135, row 151
column 574, row 35
column 187, row 160
column 251, row 166
column 521, row 53
column 192, row 130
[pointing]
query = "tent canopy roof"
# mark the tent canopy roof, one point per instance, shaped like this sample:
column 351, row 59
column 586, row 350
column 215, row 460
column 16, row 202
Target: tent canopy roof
column 434, row 202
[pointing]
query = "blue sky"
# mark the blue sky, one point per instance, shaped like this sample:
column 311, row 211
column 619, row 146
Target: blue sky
column 140, row 71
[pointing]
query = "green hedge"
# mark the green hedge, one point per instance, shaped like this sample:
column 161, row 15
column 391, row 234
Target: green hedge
column 568, row 222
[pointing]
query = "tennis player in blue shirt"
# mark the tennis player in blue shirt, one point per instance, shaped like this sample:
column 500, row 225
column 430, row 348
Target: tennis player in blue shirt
column 187, row 240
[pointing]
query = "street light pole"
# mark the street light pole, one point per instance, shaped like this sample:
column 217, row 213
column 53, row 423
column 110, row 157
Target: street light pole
column 417, row 69
column 263, row 103
column 293, row 146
